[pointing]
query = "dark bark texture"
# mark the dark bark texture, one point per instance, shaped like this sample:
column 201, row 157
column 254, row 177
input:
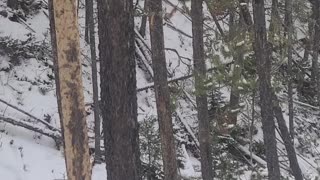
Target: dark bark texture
column 316, row 47
column 263, row 59
column 294, row 165
column 201, row 94
column 118, row 89
column 97, row 131
column 289, row 32
column 143, row 25
column 162, row 90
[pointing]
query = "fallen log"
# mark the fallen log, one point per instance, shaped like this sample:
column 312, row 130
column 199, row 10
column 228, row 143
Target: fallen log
column 49, row 126
column 56, row 136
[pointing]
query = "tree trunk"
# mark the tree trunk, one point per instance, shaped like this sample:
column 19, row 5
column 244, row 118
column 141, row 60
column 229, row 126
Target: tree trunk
column 294, row 165
column 275, row 24
column 316, row 47
column 245, row 13
column 54, row 51
column 162, row 90
column 238, row 63
column 118, row 89
column 143, row 25
column 214, row 17
column 289, row 31
column 97, row 131
column 263, row 59
column 86, row 23
column 64, row 23
column 201, row 93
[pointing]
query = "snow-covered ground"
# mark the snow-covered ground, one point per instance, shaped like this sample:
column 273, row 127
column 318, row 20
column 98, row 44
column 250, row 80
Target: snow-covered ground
column 26, row 155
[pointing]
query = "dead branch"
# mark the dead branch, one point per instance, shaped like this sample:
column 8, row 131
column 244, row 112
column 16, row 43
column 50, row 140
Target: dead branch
column 49, row 126
column 49, row 133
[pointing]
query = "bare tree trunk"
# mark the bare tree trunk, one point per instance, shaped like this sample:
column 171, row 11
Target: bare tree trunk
column 118, row 89
column 275, row 23
column 289, row 31
column 97, row 131
column 162, row 91
column 54, row 51
column 86, row 23
column 316, row 47
column 263, row 59
column 143, row 25
column 294, row 165
column 201, row 93
column 64, row 22
column 213, row 15
column 245, row 13
column 238, row 63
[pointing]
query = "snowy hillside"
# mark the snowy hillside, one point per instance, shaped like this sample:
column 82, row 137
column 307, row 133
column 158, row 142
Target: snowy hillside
column 27, row 88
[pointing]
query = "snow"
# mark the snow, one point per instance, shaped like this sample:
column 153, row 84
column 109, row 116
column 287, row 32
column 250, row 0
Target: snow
column 34, row 157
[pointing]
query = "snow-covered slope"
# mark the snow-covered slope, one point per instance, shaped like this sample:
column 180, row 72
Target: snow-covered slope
column 28, row 84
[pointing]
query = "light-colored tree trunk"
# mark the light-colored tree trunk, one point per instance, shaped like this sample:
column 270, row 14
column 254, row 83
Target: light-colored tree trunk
column 69, row 88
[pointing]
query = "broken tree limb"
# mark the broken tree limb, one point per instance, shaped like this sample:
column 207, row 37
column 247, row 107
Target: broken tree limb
column 151, row 85
column 177, row 53
column 49, row 126
column 214, row 17
column 56, row 136
column 256, row 158
column 178, row 30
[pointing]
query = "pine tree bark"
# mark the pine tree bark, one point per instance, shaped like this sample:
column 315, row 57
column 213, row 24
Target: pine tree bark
column 97, row 131
column 275, row 24
column 316, row 47
column 143, row 25
column 294, row 165
column 238, row 63
column 64, row 24
column 201, row 94
column 86, row 23
column 118, row 89
column 162, row 91
column 54, row 51
column 263, row 59
column 289, row 31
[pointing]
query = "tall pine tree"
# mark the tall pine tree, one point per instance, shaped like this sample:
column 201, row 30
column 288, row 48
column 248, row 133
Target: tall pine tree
column 118, row 89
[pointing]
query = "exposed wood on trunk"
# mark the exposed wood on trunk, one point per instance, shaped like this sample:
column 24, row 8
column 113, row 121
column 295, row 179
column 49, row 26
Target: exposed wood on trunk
column 69, row 89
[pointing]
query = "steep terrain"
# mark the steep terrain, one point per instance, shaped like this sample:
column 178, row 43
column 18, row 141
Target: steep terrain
column 27, row 83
